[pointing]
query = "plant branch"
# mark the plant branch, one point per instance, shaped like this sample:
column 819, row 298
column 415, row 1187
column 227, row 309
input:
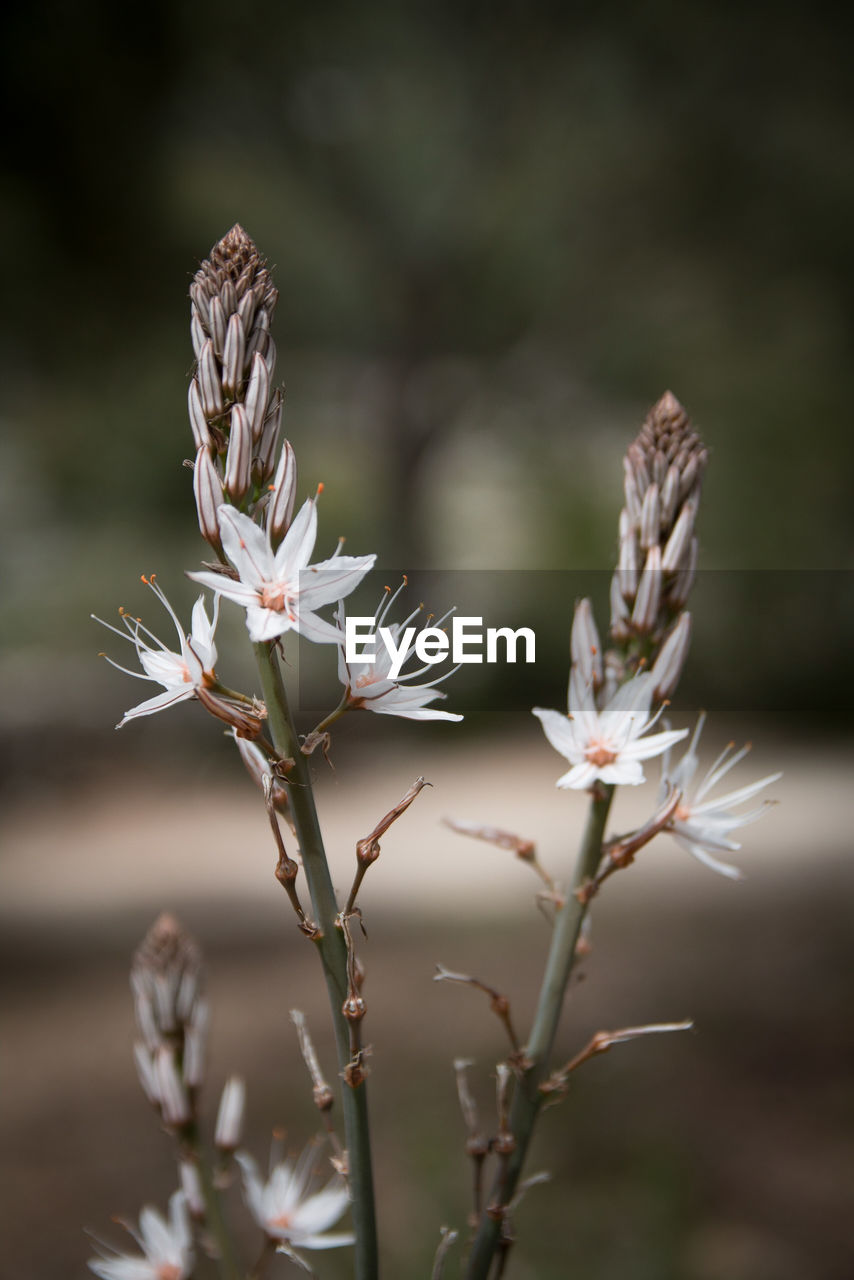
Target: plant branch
column 528, row 1098
column 333, row 953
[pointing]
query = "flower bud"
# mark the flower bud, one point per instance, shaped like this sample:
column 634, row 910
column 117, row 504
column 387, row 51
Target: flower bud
column 648, row 597
column 209, row 382
column 584, row 645
column 667, row 667
column 238, row 462
column 649, row 521
column 217, row 325
column 207, row 488
column 257, row 395
column 198, row 422
column 232, row 356
column 680, row 538
column 281, row 507
column 229, row 1120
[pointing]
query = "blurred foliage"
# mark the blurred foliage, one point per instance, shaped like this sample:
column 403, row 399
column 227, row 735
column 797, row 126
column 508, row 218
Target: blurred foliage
column 499, row 232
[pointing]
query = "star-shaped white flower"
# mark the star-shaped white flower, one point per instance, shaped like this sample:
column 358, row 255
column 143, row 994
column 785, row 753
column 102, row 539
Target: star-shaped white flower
column 280, row 590
column 369, row 685
column 286, row 1213
column 180, row 673
column 606, row 745
column 167, row 1247
column 703, row 827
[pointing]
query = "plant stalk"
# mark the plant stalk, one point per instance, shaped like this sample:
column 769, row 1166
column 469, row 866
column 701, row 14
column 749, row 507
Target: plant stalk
column 333, row 954
column 229, row 1266
column 528, row 1099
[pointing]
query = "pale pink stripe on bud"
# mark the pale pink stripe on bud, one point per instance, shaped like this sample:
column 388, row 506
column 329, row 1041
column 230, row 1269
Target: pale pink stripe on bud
column 648, row 597
column 145, row 1071
column 174, row 1103
column 257, row 395
column 229, row 1120
column 233, row 356
column 650, row 516
column 630, row 488
column 207, row 488
column 627, row 565
column 209, row 383
column 191, row 1185
column 229, row 297
column 246, row 310
column 217, row 325
column 201, row 301
column 681, row 587
column 269, row 444
column 281, row 507
column 238, row 462
column 670, row 496
column 270, row 356
column 620, row 615
column 198, row 337
column 680, row 538
column 198, row 421
column 667, row 667
column 195, row 1038
column 584, row 645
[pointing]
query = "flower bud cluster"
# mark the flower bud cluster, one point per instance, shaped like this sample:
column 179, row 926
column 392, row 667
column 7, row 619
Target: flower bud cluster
column 172, row 1016
column 235, row 413
column 658, row 549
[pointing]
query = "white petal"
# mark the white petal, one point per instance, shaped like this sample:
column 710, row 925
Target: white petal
column 313, row 628
column 646, row 748
column 579, row 778
column 266, row 624
column 158, row 703
column 331, row 1241
column 331, row 580
column 297, row 544
column 246, row 546
column 561, row 733
column 240, row 592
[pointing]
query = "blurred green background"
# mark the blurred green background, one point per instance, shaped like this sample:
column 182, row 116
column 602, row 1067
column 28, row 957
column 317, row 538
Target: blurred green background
column 499, row 232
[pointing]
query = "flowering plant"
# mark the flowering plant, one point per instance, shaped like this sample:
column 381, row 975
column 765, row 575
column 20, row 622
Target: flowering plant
column 245, row 489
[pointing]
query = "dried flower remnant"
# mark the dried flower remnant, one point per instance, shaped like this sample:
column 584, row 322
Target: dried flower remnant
column 703, row 827
column 286, row 1212
column 607, row 745
column 167, row 1247
column 280, row 590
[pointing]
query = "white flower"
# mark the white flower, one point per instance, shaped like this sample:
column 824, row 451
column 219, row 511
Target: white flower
column 282, row 1209
column 702, row 826
column 167, row 1246
column 182, row 673
column 280, row 590
column 607, row 745
column 369, row 685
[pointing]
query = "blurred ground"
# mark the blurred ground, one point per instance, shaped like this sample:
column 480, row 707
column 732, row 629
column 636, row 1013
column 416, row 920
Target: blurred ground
column 726, row 1152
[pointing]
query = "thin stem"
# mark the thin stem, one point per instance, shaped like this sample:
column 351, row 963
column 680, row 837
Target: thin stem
column 333, row 953
column 229, row 1266
column 528, row 1099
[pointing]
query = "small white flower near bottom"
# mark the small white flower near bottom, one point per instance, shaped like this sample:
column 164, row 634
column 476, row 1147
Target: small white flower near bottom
column 607, row 745
column 702, row 827
column 286, row 1213
column 167, row 1247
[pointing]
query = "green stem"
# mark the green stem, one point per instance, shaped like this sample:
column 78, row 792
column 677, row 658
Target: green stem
column 333, row 954
column 528, row 1099
column 229, row 1266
